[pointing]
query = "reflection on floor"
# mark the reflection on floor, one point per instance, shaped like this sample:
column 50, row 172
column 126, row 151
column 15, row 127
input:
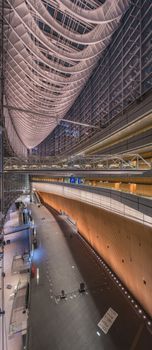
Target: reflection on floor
column 63, row 318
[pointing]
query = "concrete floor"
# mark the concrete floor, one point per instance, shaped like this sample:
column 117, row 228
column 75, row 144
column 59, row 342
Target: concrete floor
column 63, row 262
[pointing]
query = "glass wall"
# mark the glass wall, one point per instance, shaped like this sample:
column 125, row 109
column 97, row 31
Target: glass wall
column 123, row 74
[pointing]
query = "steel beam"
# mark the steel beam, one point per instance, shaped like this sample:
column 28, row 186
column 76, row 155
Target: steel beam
column 22, row 110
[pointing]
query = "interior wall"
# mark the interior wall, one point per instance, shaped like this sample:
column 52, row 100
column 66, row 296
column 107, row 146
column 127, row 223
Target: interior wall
column 124, row 244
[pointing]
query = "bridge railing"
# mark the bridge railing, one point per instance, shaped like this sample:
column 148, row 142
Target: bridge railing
column 126, row 204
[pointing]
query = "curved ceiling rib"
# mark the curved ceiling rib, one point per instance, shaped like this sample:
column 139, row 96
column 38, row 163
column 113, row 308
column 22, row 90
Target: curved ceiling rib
column 51, row 50
column 108, row 12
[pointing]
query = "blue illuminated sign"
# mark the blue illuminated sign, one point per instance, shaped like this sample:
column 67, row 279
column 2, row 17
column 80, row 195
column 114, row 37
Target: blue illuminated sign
column 72, row 180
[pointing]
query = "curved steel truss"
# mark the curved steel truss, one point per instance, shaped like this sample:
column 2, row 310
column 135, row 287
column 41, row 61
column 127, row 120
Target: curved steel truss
column 51, row 49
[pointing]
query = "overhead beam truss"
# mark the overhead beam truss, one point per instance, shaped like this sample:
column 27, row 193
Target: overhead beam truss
column 126, row 161
column 51, row 53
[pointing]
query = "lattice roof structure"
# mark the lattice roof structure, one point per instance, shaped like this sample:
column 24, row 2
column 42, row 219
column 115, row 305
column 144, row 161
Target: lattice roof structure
column 51, row 49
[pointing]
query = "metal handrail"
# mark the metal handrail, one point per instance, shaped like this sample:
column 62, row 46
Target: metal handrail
column 141, row 204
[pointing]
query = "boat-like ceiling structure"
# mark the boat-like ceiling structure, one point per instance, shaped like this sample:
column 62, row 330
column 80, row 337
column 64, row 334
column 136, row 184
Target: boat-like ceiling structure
column 51, row 48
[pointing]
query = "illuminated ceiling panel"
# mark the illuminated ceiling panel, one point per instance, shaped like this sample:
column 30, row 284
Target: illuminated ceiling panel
column 51, row 50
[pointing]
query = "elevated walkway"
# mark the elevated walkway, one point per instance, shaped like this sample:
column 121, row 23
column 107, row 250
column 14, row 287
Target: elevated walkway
column 126, row 204
column 16, row 267
column 10, row 230
column 19, row 316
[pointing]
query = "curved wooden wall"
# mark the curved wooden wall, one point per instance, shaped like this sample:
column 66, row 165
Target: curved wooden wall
column 124, row 244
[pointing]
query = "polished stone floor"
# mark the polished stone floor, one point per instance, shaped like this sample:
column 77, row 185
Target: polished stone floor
column 63, row 261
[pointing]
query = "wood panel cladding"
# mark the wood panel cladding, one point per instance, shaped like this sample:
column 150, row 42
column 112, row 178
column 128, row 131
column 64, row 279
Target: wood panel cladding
column 125, row 245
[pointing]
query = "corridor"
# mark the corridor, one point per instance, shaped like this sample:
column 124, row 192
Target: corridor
column 63, row 261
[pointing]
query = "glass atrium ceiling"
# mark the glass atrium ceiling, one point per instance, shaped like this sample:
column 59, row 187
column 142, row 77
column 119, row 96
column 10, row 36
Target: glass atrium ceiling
column 51, row 48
